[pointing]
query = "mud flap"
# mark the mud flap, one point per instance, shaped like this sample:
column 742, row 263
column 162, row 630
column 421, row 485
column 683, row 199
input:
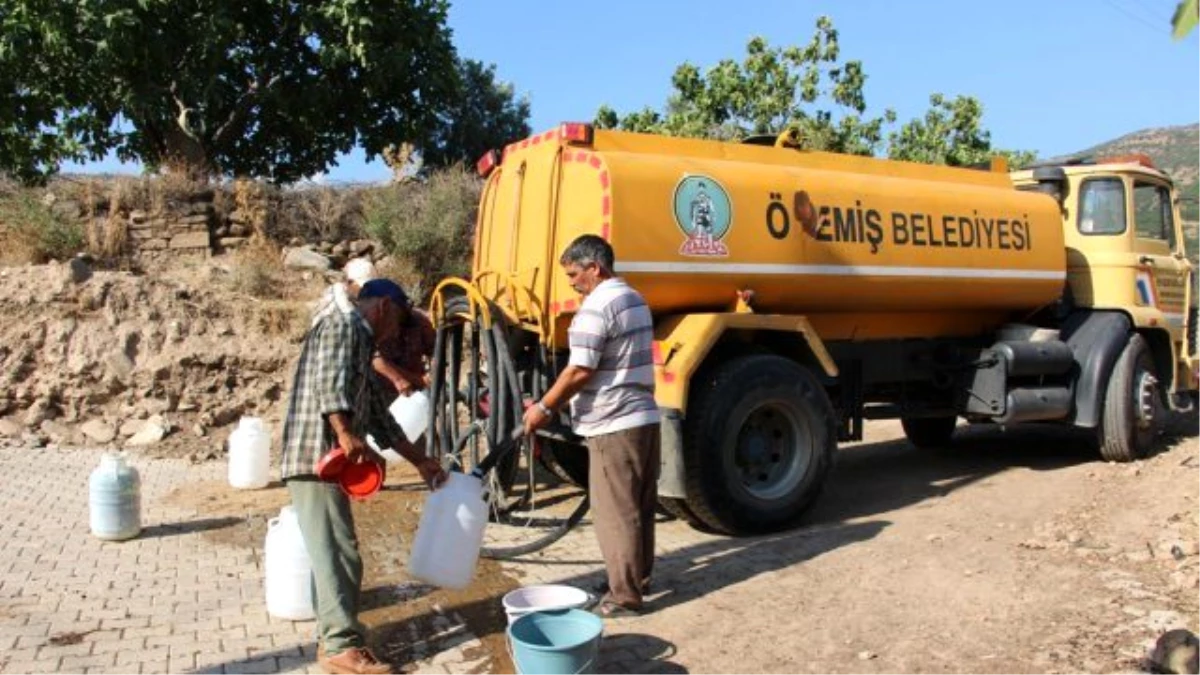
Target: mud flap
column 1097, row 340
column 672, row 473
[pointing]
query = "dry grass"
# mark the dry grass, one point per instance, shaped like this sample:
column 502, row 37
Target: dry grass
column 33, row 232
column 427, row 224
column 324, row 213
column 257, row 270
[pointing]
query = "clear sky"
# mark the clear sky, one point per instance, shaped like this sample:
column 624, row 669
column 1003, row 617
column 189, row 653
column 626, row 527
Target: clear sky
column 1054, row 76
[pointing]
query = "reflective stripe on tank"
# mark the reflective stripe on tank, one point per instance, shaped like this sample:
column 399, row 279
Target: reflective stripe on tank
column 837, row 270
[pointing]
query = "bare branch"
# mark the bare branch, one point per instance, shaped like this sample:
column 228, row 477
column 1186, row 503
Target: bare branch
column 184, row 112
column 243, row 105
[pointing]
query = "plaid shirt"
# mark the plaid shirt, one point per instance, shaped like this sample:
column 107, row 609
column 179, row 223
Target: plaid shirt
column 334, row 375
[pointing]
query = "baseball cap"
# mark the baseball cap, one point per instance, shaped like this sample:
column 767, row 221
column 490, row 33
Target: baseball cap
column 384, row 288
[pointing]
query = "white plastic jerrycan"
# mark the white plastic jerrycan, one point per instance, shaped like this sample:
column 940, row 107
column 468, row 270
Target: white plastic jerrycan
column 115, row 499
column 250, row 455
column 288, row 569
column 450, row 533
column 411, row 413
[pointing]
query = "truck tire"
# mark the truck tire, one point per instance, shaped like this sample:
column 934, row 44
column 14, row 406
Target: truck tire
column 1133, row 405
column 929, row 432
column 679, row 509
column 759, row 441
column 568, row 462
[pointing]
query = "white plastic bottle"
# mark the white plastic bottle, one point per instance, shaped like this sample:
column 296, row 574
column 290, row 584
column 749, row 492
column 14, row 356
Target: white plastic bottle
column 411, row 412
column 288, row 575
column 450, row 533
column 114, row 499
column 250, row 455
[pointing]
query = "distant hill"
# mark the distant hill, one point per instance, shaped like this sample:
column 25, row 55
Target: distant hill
column 1175, row 150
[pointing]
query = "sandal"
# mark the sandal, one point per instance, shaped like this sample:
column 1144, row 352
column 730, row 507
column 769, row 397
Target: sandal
column 609, row 609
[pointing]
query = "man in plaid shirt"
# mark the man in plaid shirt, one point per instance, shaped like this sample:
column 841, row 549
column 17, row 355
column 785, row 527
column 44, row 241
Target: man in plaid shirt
column 335, row 401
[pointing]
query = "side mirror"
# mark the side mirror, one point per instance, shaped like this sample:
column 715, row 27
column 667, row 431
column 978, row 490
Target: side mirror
column 1051, row 180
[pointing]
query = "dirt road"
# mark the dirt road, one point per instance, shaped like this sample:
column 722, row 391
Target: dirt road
column 1010, row 552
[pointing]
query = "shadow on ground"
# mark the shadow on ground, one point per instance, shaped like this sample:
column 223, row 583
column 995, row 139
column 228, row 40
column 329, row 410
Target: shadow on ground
column 868, row 481
column 188, row 527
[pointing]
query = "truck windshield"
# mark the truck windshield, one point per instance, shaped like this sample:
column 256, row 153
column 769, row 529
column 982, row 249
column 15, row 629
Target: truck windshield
column 1102, row 206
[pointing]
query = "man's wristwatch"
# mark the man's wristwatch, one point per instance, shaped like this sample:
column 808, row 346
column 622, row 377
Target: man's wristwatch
column 544, row 408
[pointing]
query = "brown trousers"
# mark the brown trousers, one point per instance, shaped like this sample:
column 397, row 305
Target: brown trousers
column 623, row 482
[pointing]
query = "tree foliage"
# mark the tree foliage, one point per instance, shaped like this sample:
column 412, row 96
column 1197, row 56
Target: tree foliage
column 770, row 90
column 807, row 90
column 1183, row 21
column 950, row 133
column 486, row 114
column 269, row 88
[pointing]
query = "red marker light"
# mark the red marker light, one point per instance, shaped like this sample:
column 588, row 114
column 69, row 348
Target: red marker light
column 487, row 163
column 576, row 132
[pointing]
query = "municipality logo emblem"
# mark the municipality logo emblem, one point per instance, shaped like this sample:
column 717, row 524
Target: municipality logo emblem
column 703, row 212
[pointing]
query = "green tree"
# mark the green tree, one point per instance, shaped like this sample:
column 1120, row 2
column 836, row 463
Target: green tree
column 1187, row 12
column 949, row 133
column 270, row 88
column 770, row 90
column 484, row 115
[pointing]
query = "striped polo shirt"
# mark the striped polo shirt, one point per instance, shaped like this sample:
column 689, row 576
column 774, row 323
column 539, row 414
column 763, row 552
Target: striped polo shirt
column 611, row 335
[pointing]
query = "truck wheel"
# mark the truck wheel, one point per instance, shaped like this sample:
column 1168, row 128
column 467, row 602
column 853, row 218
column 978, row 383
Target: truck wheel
column 760, row 438
column 678, row 508
column 929, row 432
column 1133, row 405
column 568, row 462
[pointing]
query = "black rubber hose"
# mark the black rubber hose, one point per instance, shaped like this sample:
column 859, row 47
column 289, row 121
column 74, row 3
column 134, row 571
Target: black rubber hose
column 455, row 361
column 435, row 386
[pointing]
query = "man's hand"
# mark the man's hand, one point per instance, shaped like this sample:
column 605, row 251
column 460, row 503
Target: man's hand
column 431, row 472
column 402, row 385
column 534, row 419
column 355, row 447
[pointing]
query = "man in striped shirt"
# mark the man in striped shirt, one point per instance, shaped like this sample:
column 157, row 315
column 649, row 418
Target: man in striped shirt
column 609, row 381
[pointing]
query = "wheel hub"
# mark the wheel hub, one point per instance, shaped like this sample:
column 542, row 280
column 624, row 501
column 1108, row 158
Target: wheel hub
column 769, row 456
column 1147, row 394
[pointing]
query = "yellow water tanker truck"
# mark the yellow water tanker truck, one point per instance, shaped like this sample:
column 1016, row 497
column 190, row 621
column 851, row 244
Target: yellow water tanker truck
column 796, row 294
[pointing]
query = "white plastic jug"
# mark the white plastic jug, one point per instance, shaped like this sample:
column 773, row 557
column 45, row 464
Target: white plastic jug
column 288, row 569
column 115, row 499
column 450, row 533
column 250, row 455
column 411, row 413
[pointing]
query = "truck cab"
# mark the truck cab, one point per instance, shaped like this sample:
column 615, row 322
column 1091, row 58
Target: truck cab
column 1126, row 253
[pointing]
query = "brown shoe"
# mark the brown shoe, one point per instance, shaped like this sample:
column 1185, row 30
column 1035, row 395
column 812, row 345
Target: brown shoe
column 354, row 661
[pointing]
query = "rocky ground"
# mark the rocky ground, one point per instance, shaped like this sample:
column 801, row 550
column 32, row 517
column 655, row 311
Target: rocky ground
column 163, row 361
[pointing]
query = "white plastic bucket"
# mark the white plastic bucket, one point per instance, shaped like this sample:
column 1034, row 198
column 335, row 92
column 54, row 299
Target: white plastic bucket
column 543, row 598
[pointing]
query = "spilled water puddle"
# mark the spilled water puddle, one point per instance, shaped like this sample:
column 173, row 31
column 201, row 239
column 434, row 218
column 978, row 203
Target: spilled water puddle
column 407, row 621
column 410, row 621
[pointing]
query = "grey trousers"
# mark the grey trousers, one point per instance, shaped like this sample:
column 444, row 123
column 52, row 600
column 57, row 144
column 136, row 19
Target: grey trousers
column 623, row 482
column 328, row 528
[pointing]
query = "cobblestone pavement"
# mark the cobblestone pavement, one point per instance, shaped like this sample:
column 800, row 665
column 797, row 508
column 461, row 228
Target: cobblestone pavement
column 176, row 599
